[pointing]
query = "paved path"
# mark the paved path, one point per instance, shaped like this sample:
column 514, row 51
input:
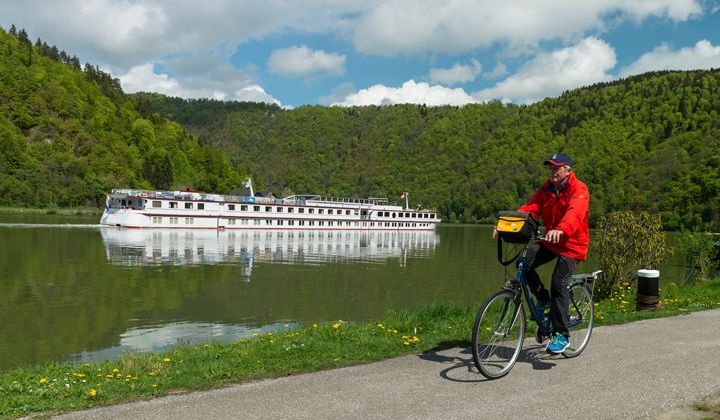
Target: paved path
column 630, row 371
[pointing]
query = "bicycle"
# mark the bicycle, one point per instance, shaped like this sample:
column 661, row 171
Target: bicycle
column 500, row 325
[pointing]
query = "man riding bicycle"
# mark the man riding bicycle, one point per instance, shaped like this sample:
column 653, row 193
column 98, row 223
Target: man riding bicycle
column 562, row 202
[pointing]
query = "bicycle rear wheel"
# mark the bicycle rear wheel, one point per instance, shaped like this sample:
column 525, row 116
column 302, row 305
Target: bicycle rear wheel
column 580, row 319
column 498, row 334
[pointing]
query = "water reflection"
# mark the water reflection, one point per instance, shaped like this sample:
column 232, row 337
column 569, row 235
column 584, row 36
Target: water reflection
column 148, row 247
column 157, row 338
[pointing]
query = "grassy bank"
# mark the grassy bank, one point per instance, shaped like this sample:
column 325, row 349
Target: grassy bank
column 58, row 387
column 74, row 211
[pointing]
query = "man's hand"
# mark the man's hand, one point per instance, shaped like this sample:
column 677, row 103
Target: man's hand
column 553, row 236
column 494, row 233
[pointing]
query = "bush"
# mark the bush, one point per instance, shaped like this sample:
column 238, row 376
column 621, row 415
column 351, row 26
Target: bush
column 626, row 243
column 700, row 256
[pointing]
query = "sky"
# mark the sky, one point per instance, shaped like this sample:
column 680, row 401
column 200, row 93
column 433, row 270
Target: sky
column 374, row 52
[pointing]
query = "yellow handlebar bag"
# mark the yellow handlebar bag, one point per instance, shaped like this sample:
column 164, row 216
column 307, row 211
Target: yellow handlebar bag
column 516, row 227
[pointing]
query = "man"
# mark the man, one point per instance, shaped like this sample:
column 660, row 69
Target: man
column 562, row 202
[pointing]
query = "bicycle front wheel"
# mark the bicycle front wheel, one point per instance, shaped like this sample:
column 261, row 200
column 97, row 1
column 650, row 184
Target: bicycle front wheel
column 498, row 334
column 580, row 319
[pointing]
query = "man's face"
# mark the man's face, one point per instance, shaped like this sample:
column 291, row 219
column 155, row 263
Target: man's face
column 558, row 174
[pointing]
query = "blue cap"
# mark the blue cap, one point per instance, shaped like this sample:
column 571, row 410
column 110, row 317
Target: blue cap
column 559, row 159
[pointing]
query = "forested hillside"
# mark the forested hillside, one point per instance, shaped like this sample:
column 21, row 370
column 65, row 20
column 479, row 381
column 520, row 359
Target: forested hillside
column 649, row 142
column 69, row 134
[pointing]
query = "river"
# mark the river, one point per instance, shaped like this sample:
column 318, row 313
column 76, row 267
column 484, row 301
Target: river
column 72, row 290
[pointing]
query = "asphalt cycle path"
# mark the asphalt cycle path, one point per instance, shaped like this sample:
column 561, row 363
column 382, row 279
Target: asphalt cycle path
column 637, row 370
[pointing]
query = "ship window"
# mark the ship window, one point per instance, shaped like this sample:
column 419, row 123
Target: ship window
column 268, row 208
column 330, row 211
column 157, row 204
column 256, row 221
column 279, row 209
column 157, row 219
column 231, row 206
column 347, row 212
column 189, row 220
column 188, row 205
column 291, row 222
column 201, row 206
column 393, row 215
column 321, row 211
column 301, row 210
column 173, row 205
column 256, row 208
column 280, row 222
column 290, row 209
column 311, row 211
column 243, row 208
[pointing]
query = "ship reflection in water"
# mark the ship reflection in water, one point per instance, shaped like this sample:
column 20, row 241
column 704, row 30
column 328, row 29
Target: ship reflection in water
column 149, row 247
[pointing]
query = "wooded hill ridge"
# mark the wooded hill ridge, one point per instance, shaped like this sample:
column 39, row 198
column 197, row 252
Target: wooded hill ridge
column 644, row 143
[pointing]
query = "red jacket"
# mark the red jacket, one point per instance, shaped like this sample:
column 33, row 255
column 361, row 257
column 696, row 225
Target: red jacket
column 566, row 211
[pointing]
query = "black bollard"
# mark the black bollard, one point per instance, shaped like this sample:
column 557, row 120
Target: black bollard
column 648, row 291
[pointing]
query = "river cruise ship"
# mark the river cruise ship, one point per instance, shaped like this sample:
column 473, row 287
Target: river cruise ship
column 193, row 210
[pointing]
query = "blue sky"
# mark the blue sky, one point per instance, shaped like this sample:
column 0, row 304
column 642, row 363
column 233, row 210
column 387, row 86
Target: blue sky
column 334, row 52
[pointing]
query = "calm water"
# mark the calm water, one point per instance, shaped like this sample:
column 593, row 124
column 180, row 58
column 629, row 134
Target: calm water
column 71, row 290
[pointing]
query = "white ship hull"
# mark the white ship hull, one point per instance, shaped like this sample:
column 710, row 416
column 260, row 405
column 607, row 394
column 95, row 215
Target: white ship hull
column 189, row 210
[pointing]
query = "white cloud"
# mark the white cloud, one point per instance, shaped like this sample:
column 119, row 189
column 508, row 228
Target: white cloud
column 500, row 70
column 143, row 78
column 702, row 56
column 416, row 26
column 302, row 61
column 549, row 74
column 338, row 94
column 126, row 33
column 409, row 92
column 458, row 73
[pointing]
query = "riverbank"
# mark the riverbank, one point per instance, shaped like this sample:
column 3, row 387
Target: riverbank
column 72, row 211
column 61, row 387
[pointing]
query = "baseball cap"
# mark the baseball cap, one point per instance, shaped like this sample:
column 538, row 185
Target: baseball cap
column 559, row 159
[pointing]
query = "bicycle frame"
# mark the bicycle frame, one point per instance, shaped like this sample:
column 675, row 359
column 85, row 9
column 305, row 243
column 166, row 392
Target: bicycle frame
column 520, row 282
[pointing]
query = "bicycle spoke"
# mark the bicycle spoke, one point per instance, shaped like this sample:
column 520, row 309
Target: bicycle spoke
column 498, row 334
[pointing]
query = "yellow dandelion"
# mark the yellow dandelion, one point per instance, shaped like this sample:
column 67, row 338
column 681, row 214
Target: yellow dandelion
column 154, row 385
column 151, row 373
column 406, row 343
column 336, row 325
column 92, row 393
column 167, row 359
column 116, row 370
column 624, row 302
column 109, row 376
column 314, row 325
column 43, row 380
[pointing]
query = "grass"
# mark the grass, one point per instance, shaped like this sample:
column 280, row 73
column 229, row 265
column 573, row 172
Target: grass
column 72, row 211
column 61, row 387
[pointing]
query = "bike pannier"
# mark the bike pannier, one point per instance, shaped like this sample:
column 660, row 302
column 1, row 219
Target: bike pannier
column 515, row 227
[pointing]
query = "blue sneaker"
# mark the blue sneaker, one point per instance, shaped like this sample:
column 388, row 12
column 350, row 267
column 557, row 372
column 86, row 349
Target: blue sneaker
column 558, row 344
